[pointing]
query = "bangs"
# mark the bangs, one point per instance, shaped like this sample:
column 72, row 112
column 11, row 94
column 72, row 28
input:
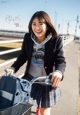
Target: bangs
column 40, row 18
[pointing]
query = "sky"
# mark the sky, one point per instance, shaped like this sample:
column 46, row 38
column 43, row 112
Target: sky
column 15, row 14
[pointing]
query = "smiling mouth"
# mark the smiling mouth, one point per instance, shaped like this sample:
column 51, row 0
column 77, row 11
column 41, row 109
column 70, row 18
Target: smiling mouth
column 38, row 32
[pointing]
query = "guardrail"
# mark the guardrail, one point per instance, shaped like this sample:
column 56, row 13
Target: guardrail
column 67, row 39
column 10, row 50
column 4, row 64
column 12, row 34
column 10, row 41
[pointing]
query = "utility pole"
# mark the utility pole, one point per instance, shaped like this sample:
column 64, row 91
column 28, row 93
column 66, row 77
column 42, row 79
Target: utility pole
column 55, row 20
column 62, row 26
column 77, row 20
column 58, row 28
column 68, row 28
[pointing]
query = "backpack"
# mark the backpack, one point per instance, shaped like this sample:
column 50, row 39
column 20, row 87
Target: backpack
column 13, row 90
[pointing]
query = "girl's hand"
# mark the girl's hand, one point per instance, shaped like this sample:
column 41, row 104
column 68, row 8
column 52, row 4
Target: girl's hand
column 56, row 78
column 9, row 71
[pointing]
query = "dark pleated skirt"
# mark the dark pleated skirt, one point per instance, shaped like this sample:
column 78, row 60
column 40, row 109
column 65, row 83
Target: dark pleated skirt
column 44, row 96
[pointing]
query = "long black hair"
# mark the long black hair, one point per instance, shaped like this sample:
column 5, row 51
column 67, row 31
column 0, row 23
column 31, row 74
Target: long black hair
column 43, row 15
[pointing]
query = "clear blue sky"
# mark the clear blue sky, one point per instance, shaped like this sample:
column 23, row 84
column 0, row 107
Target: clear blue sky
column 15, row 14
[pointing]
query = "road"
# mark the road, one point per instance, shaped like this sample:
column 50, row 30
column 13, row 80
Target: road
column 70, row 86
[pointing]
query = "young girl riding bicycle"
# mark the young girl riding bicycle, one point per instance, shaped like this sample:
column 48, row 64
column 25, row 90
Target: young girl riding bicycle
column 42, row 48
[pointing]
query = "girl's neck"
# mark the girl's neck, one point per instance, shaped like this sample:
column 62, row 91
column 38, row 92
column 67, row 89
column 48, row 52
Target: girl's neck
column 40, row 40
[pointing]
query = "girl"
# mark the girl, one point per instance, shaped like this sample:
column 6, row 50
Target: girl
column 42, row 48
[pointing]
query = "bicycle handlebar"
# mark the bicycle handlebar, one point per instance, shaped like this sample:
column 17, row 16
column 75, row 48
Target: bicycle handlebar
column 35, row 79
column 45, row 78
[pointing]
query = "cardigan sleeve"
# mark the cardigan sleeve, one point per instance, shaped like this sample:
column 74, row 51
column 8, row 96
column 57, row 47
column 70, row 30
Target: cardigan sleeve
column 22, row 57
column 60, row 62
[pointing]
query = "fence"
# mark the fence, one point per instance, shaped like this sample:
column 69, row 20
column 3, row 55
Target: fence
column 12, row 34
column 67, row 39
column 6, row 41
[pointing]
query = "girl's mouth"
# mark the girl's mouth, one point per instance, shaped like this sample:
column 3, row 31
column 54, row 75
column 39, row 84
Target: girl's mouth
column 38, row 32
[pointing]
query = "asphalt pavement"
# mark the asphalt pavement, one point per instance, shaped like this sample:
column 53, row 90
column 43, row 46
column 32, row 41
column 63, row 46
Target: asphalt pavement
column 69, row 103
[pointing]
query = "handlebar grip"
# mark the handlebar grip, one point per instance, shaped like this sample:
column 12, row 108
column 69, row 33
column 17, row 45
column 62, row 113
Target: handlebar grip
column 8, row 72
column 45, row 78
column 50, row 76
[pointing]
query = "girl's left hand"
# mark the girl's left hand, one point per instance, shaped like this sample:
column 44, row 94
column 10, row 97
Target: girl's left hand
column 56, row 78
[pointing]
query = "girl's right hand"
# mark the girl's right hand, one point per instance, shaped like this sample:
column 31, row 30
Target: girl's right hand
column 9, row 71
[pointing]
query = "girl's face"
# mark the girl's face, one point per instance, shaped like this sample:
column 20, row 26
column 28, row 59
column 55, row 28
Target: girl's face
column 39, row 28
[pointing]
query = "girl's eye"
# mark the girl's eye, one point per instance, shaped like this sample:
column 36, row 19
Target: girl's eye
column 34, row 24
column 41, row 23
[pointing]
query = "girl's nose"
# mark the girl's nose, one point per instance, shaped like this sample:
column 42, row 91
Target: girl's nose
column 37, row 27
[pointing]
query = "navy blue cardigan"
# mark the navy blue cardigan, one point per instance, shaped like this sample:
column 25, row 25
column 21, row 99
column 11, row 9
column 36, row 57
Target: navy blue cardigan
column 53, row 59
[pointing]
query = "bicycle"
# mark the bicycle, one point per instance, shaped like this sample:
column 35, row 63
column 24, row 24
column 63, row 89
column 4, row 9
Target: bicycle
column 22, row 108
